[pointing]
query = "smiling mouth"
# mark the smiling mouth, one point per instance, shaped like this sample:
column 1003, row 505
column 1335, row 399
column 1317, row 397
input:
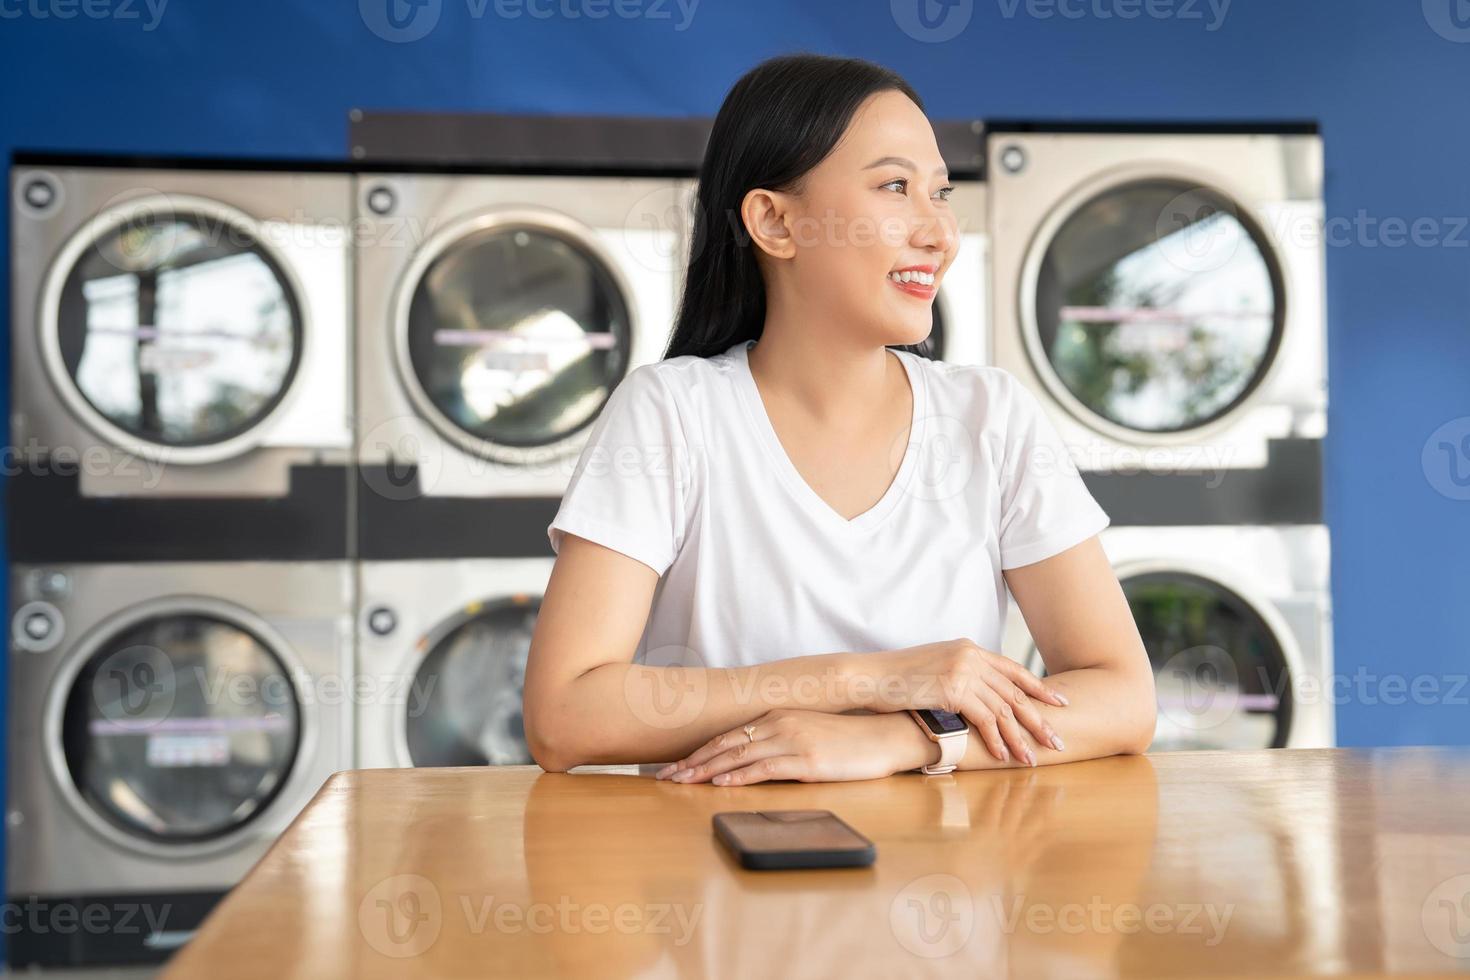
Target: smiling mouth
column 915, row 282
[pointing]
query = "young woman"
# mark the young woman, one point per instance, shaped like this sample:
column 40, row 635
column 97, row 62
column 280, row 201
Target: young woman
column 785, row 534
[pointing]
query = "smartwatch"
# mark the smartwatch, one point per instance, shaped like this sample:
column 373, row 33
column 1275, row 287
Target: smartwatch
column 952, row 733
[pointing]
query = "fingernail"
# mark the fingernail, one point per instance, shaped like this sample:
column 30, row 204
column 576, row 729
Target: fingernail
column 682, row 775
column 1056, row 743
column 1005, row 754
column 1060, row 697
column 665, row 772
column 1030, row 758
column 721, row 779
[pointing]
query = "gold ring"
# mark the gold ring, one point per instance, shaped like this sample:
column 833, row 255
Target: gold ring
column 750, row 732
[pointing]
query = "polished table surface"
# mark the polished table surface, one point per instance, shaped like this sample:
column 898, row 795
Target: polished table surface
column 1279, row 863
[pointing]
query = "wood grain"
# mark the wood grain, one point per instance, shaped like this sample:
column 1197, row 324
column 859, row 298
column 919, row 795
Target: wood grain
column 1280, row 863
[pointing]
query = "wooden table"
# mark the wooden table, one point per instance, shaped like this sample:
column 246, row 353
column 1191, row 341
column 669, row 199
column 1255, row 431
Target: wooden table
column 1190, row 864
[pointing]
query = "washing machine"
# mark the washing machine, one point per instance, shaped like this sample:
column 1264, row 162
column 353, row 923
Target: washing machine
column 496, row 316
column 1237, row 622
column 177, row 332
column 441, row 653
column 166, row 722
column 1164, row 291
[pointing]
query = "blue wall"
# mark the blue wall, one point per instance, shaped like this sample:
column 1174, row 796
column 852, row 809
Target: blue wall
column 276, row 78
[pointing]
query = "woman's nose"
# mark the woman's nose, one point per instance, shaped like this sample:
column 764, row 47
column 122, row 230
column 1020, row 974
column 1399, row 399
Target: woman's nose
column 934, row 228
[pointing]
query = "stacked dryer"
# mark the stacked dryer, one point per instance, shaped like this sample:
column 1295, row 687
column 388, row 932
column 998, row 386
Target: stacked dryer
column 1163, row 293
column 180, row 595
column 496, row 314
column 264, row 528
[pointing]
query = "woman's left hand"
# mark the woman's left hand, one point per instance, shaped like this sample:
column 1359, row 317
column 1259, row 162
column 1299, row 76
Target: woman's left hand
column 809, row 746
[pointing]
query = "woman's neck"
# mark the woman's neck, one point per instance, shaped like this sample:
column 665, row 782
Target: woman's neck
column 831, row 378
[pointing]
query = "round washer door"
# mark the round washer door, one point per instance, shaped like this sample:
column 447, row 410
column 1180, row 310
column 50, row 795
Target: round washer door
column 464, row 708
column 517, row 329
column 1156, row 307
column 180, row 728
column 1221, row 672
column 170, row 324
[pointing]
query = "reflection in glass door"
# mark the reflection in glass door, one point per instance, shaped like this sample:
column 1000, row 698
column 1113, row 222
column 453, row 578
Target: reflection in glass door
column 1220, row 671
column 178, row 329
column 516, row 336
column 1152, row 326
column 466, row 708
column 181, row 728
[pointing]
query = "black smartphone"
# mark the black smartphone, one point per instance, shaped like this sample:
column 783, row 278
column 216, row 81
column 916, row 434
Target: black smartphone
column 771, row 840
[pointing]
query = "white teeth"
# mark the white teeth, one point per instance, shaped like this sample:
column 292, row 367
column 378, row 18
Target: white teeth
column 923, row 278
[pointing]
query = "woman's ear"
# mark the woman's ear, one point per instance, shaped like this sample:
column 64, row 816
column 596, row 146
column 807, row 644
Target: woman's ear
column 767, row 218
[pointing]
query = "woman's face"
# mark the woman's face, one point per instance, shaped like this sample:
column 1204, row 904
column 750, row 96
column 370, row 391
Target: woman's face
column 874, row 213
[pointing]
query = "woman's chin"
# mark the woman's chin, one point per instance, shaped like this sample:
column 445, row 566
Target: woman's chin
column 916, row 334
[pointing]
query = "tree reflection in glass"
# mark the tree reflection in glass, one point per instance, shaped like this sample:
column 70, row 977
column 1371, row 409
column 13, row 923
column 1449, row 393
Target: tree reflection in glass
column 1151, row 328
column 1219, row 669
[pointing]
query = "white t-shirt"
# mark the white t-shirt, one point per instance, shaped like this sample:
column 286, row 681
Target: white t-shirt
column 684, row 472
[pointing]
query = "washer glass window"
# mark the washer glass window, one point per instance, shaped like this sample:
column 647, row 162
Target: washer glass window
column 1157, row 307
column 181, row 728
column 179, row 329
column 1219, row 670
column 518, row 335
column 465, row 704
column 1220, row 673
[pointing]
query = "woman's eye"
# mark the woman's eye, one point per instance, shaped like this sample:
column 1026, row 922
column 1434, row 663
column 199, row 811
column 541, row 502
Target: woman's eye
column 901, row 185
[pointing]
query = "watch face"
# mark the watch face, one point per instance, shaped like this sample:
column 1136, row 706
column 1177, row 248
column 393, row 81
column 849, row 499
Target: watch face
column 942, row 722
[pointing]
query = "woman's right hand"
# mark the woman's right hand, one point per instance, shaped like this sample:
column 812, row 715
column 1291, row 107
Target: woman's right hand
column 993, row 692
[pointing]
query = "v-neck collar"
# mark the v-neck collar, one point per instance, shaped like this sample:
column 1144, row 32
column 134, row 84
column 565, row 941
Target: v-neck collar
column 791, row 477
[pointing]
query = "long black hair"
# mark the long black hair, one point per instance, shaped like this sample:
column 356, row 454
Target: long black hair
column 777, row 123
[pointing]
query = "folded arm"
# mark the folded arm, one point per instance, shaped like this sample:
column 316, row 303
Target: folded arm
column 1084, row 630
column 586, row 701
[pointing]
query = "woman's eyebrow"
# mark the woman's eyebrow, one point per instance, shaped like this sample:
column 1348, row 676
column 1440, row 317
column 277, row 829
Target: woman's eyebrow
column 906, row 164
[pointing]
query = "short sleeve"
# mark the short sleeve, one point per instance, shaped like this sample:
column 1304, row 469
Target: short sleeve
column 1046, row 508
column 629, row 489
